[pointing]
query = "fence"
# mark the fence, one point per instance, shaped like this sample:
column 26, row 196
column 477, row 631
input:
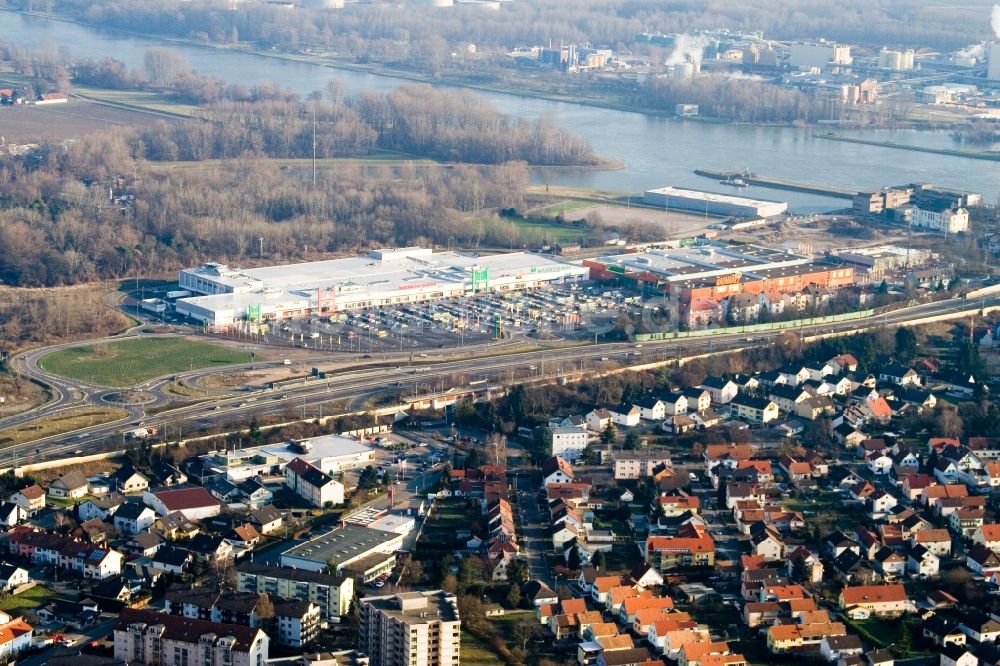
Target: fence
column 755, row 328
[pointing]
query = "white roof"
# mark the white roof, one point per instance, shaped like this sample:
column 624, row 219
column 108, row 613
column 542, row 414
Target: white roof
column 712, row 196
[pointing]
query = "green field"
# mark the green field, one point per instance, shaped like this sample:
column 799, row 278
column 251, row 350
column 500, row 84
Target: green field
column 532, row 232
column 27, row 600
column 475, row 652
column 565, row 206
column 133, row 361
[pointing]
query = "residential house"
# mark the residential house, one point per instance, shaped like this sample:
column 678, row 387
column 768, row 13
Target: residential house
column 698, row 399
column 676, row 404
column 12, row 514
column 625, row 415
column 128, row 481
column 785, row 638
column 12, row 576
column 253, row 493
column 652, row 408
column 980, row 627
column 74, row 614
column 31, row 499
column 313, row 484
column 808, row 562
column 291, row 622
column 556, row 470
column 861, row 602
column 266, row 519
column 937, row 541
column 957, row 655
column 982, row 561
column 244, row 536
column 132, row 518
column 194, row 503
column 836, row 648
column 72, row 485
column 598, row 419
column 766, row 542
column 722, row 391
column 890, row 564
column 966, row 521
column 843, row 363
column 922, row 562
column 170, row 559
column 100, row 507
column 691, row 547
column 754, row 410
column 896, row 373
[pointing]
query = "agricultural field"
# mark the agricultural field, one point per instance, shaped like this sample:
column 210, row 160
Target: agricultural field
column 130, row 362
column 37, row 124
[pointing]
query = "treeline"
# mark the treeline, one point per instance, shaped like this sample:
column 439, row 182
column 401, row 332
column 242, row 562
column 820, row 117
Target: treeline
column 411, row 36
column 59, row 226
column 54, row 315
column 736, row 99
column 454, row 126
column 267, row 120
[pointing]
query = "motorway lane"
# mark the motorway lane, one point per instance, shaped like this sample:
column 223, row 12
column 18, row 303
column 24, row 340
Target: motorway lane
column 367, row 382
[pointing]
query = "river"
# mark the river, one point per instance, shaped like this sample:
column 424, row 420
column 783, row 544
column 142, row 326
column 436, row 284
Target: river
column 656, row 151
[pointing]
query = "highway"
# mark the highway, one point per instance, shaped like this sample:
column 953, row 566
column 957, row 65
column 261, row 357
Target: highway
column 358, row 383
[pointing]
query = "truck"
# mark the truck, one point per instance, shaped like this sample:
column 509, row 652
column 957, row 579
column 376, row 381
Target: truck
column 177, row 293
column 140, row 433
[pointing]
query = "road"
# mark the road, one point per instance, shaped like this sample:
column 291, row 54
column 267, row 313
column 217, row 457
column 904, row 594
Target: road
column 532, row 528
column 357, row 384
column 98, row 631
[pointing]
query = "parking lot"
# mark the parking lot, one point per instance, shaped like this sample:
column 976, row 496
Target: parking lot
column 573, row 311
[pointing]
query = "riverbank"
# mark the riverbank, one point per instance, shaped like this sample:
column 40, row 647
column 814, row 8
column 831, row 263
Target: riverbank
column 522, row 91
column 989, row 156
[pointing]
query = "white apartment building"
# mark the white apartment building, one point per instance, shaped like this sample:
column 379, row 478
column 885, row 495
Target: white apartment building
column 947, row 220
column 331, row 592
column 568, row 443
column 639, row 464
column 312, row 484
column 411, row 629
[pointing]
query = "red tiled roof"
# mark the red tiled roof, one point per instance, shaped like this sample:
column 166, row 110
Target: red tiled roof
column 186, row 498
column 33, row 491
column 871, row 594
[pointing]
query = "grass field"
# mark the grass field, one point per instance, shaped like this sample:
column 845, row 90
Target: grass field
column 130, row 362
column 67, row 421
column 520, row 231
column 27, row 600
column 139, row 100
column 475, row 653
column 564, row 206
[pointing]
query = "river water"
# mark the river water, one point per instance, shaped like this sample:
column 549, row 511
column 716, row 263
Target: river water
column 656, row 151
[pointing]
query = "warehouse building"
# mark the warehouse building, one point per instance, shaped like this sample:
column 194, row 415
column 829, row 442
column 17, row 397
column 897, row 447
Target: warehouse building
column 363, row 551
column 712, row 203
column 330, row 453
column 715, row 272
column 381, row 278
